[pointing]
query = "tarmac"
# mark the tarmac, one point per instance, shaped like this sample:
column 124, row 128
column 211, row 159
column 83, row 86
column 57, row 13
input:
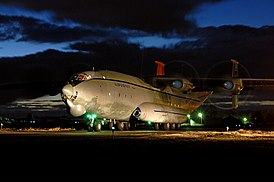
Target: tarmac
column 145, row 155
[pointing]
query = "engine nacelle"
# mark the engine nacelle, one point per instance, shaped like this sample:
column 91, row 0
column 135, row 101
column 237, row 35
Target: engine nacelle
column 159, row 113
column 234, row 85
column 183, row 85
column 177, row 84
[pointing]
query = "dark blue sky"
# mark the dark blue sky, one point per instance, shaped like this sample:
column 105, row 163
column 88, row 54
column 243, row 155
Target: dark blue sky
column 18, row 40
column 253, row 13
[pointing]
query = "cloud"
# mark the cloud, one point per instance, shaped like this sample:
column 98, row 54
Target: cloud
column 30, row 29
column 153, row 16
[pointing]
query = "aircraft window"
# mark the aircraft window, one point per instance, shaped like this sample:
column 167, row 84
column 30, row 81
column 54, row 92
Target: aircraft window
column 78, row 78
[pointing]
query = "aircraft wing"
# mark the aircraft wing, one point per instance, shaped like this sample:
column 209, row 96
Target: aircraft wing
column 257, row 83
column 228, row 84
column 233, row 85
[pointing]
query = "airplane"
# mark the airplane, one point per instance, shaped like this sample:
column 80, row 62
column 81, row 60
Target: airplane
column 123, row 100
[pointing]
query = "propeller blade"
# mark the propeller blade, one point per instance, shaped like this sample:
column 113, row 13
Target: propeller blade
column 235, row 104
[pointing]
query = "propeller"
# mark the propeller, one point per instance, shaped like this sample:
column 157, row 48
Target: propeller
column 227, row 87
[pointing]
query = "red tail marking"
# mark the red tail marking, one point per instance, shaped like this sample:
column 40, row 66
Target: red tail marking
column 160, row 68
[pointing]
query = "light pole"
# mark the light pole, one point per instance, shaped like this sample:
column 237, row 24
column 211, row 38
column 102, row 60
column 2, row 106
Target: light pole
column 200, row 115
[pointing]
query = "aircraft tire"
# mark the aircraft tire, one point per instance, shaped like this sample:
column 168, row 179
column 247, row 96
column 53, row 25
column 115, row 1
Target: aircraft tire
column 166, row 126
column 172, row 126
column 89, row 128
column 156, row 126
column 120, row 126
column 110, row 125
column 126, row 126
column 178, row 126
column 97, row 126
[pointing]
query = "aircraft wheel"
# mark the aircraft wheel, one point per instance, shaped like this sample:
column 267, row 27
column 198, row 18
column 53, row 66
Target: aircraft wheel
column 127, row 126
column 120, row 126
column 156, row 126
column 89, row 128
column 173, row 126
column 97, row 126
column 166, row 126
column 178, row 126
column 110, row 125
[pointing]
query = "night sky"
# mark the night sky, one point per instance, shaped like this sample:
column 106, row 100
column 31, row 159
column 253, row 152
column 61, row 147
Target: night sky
column 44, row 42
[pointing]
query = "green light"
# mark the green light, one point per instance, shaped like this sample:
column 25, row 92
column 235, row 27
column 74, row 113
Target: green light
column 149, row 122
column 245, row 120
column 91, row 116
column 200, row 115
column 188, row 116
column 88, row 116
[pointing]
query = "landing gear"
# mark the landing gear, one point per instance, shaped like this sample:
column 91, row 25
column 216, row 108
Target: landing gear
column 90, row 125
column 94, row 126
column 166, row 126
column 89, row 128
column 156, row 126
column 172, row 126
column 127, row 126
column 120, row 126
column 97, row 126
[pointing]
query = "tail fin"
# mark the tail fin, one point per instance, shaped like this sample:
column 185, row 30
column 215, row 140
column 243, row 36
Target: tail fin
column 160, row 68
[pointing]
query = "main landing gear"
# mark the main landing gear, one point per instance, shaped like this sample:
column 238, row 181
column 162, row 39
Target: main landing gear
column 94, row 125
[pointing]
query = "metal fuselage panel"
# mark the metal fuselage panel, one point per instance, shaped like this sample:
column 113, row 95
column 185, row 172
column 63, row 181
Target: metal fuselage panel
column 117, row 96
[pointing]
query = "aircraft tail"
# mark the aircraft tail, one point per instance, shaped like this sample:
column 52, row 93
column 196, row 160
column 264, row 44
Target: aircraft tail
column 160, row 68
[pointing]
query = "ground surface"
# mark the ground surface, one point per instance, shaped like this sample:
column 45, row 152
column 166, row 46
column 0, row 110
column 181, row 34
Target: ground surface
column 242, row 155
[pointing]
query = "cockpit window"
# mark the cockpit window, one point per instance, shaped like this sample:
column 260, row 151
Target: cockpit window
column 78, row 78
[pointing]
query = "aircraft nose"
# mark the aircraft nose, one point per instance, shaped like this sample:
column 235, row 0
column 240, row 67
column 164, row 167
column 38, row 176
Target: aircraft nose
column 68, row 90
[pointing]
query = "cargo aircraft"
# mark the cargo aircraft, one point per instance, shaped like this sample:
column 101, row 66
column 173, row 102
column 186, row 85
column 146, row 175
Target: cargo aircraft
column 123, row 100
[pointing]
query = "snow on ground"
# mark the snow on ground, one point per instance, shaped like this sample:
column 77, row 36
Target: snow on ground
column 240, row 134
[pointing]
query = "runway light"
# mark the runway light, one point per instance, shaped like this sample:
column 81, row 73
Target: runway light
column 245, row 120
column 200, row 115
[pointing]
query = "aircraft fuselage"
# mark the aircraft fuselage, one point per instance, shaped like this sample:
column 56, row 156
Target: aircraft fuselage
column 113, row 95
